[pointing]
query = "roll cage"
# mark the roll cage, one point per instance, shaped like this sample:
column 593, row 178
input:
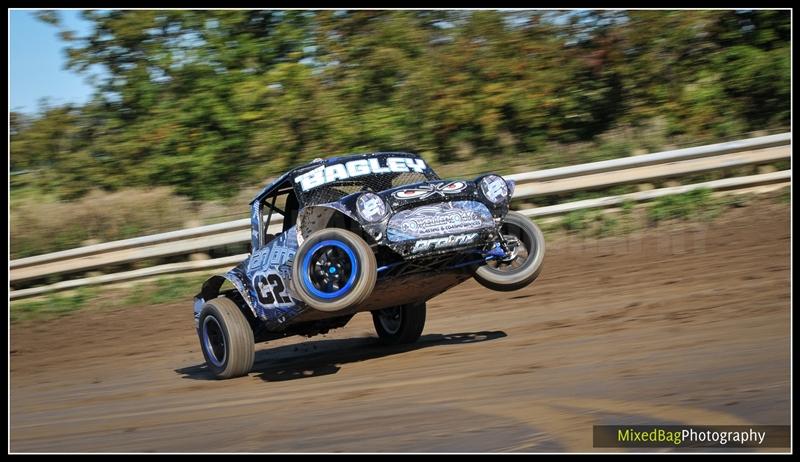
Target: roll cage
column 269, row 201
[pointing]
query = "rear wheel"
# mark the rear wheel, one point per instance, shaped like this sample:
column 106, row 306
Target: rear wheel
column 400, row 324
column 334, row 270
column 524, row 264
column 226, row 339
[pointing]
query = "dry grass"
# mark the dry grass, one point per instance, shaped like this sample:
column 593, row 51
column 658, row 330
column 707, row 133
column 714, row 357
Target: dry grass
column 41, row 225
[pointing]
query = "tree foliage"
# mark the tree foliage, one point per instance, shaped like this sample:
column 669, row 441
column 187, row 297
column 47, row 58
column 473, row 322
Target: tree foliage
column 209, row 101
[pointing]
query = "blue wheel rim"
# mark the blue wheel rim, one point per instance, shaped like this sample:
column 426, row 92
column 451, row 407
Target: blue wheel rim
column 214, row 341
column 311, row 265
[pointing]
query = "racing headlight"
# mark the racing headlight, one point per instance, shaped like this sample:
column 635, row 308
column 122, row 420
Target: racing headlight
column 371, row 207
column 494, row 188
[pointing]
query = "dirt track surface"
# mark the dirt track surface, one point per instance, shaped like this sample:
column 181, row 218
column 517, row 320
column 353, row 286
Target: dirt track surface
column 679, row 324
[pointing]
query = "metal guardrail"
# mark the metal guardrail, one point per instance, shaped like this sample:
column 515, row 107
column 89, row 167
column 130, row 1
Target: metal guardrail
column 602, row 202
column 641, row 196
column 243, row 224
column 649, row 173
column 717, row 149
column 531, row 184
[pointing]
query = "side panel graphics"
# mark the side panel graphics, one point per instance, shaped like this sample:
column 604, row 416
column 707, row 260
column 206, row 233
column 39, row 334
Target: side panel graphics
column 267, row 273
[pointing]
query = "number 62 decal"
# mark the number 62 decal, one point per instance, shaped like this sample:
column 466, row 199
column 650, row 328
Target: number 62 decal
column 271, row 290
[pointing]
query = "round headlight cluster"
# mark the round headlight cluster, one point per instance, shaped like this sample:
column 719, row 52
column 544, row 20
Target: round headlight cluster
column 371, row 207
column 494, row 188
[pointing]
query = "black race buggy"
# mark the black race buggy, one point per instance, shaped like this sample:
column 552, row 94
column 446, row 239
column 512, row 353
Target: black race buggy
column 377, row 232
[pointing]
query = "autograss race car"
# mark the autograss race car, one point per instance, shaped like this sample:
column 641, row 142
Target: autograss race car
column 377, row 232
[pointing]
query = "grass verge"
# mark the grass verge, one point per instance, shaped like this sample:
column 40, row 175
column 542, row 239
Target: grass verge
column 160, row 291
column 697, row 205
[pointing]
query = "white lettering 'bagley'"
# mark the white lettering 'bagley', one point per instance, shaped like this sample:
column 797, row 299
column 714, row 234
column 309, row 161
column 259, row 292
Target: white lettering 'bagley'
column 337, row 172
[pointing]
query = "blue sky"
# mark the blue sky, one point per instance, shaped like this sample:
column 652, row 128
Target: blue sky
column 37, row 59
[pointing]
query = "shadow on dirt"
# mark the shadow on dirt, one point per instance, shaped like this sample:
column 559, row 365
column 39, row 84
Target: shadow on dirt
column 324, row 357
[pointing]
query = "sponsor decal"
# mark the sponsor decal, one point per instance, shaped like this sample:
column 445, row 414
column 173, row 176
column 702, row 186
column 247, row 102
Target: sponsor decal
column 371, row 207
column 425, row 191
column 494, row 188
column 439, row 219
column 445, row 222
column 426, row 245
column 271, row 256
column 325, row 174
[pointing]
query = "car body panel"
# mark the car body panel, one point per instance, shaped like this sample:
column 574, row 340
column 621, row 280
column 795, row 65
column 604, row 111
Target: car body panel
column 267, row 275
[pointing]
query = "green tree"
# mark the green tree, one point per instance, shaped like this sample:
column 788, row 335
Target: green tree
column 209, row 101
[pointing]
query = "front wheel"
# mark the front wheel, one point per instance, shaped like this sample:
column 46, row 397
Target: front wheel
column 334, row 269
column 524, row 264
column 226, row 339
column 400, row 324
